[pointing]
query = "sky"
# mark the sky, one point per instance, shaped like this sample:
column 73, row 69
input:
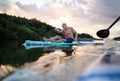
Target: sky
column 85, row 16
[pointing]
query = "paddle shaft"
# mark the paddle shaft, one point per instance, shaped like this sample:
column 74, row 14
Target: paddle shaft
column 113, row 23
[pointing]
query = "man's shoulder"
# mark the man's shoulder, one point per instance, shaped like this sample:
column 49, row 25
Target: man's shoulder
column 70, row 27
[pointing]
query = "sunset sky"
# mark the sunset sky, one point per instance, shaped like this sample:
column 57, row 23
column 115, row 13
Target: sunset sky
column 85, row 16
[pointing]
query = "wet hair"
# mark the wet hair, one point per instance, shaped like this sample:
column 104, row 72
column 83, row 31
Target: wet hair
column 64, row 24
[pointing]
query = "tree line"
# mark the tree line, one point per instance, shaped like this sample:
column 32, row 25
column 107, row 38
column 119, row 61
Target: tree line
column 14, row 28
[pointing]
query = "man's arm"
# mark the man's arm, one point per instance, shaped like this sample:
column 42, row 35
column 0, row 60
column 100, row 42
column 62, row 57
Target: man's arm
column 59, row 30
column 76, row 34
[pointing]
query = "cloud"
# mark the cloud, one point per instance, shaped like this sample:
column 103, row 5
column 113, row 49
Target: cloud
column 5, row 5
column 27, row 8
column 103, row 11
column 44, row 13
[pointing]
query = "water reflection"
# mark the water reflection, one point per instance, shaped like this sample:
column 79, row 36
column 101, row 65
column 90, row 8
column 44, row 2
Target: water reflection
column 14, row 54
column 5, row 70
column 105, row 69
column 54, row 64
column 67, row 50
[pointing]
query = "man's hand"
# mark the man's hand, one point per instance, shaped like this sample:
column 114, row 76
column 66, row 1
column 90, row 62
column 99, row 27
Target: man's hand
column 57, row 29
column 76, row 39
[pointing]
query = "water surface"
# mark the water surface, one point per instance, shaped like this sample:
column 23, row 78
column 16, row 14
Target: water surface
column 55, row 66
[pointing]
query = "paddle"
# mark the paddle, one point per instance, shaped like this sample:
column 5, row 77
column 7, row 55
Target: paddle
column 105, row 32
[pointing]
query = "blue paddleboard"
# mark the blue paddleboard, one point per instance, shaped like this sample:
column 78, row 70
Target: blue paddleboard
column 42, row 44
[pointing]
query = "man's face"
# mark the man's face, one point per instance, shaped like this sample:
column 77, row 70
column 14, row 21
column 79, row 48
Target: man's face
column 64, row 25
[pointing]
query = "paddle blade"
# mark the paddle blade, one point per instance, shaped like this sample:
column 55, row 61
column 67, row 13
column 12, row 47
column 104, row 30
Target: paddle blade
column 103, row 33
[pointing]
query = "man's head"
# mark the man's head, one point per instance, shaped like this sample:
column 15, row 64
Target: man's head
column 64, row 25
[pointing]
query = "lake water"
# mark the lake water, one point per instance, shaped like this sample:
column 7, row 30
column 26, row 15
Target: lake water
column 15, row 54
column 52, row 65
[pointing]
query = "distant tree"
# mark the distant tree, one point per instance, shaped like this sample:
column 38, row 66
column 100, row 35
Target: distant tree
column 84, row 35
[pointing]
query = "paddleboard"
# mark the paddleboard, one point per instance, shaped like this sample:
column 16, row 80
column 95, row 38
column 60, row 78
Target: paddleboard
column 44, row 44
